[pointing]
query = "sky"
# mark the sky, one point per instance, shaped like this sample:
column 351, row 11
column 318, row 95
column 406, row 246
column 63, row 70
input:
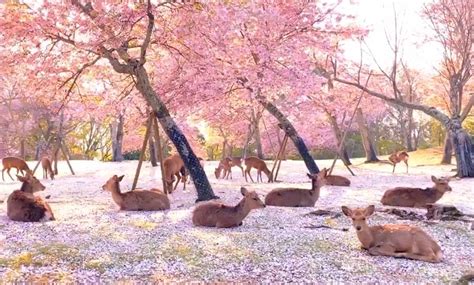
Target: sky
column 378, row 15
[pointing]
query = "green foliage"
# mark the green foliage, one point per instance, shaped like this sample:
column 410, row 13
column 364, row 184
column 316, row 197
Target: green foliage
column 132, row 155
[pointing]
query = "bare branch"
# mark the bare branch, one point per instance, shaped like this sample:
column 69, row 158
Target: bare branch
column 149, row 31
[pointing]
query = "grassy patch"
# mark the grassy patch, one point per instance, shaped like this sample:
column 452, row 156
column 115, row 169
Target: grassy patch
column 100, row 264
column 142, row 224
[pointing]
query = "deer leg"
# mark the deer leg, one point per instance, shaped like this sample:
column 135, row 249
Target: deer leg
column 8, row 172
column 241, row 168
column 177, row 182
column 230, row 172
column 250, row 175
column 385, row 249
column 393, row 171
column 406, row 162
column 3, row 178
column 431, row 257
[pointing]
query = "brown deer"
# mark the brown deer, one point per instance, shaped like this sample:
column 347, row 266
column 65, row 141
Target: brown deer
column 416, row 197
column 46, row 165
column 296, row 197
column 136, row 200
column 398, row 157
column 393, row 240
column 14, row 162
column 172, row 167
column 260, row 165
column 216, row 214
column 336, row 180
column 24, row 206
column 226, row 165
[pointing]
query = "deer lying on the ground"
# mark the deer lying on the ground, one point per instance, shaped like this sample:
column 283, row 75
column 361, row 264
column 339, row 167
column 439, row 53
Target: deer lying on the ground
column 136, row 200
column 260, row 165
column 393, row 240
column 398, row 157
column 14, row 162
column 416, row 197
column 216, row 214
column 226, row 165
column 172, row 167
column 336, row 180
column 24, row 206
column 46, row 165
column 296, row 197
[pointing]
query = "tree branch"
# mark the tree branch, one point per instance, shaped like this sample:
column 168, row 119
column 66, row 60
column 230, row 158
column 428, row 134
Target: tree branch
column 149, row 31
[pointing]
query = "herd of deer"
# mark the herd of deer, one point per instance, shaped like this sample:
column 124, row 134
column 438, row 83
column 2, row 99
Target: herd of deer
column 388, row 240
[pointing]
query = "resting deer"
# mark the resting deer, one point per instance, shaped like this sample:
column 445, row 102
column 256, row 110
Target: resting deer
column 417, row 197
column 172, row 167
column 216, row 214
column 336, row 180
column 46, row 165
column 296, row 197
column 393, row 240
column 136, row 200
column 14, row 162
column 258, row 164
column 398, row 157
column 24, row 206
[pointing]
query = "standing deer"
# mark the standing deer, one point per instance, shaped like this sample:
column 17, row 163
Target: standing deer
column 136, row 200
column 172, row 167
column 226, row 165
column 46, row 165
column 417, row 197
column 24, row 206
column 14, row 162
column 393, row 240
column 260, row 165
column 215, row 214
column 296, row 197
column 398, row 157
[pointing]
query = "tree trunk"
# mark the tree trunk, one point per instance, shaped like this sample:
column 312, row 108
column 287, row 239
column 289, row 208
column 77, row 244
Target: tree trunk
column 116, row 129
column 409, row 135
column 292, row 133
column 448, row 150
column 152, row 150
column 22, row 148
column 367, row 141
column 258, row 139
column 203, row 187
column 224, row 148
column 60, row 140
column 462, row 148
column 247, row 142
column 337, row 133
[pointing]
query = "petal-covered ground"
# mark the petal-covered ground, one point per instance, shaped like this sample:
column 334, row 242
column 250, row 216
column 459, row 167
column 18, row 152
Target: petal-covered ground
column 92, row 241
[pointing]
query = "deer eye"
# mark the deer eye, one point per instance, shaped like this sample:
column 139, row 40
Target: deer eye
column 363, row 219
column 255, row 199
column 353, row 219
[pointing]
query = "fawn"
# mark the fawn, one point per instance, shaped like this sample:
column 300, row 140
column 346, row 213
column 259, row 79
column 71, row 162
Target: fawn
column 393, row 240
column 398, row 157
column 172, row 167
column 296, row 197
column 258, row 164
column 24, row 206
column 46, row 165
column 416, row 197
column 136, row 200
column 216, row 214
column 14, row 162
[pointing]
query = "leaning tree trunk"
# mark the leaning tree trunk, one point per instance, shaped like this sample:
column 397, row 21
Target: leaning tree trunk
column 203, row 187
column 337, row 133
column 447, row 150
column 292, row 134
column 367, row 141
column 116, row 129
column 151, row 147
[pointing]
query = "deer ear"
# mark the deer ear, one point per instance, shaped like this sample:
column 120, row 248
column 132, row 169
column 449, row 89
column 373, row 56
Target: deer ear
column 244, row 191
column 120, row 178
column 346, row 211
column 434, row 179
column 369, row 210
column 21, row 178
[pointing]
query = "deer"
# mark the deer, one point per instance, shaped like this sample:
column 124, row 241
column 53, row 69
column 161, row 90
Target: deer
column 296, row 197
column 172, row 167
column 24, row 206
column 138, row 199
column 393, row 240
column 10, row 162
column 226, row 164
column 216, row 214
column 398, row 157
column 336, row 180
column 417, row 197
column 46, row 165
column 260, row 165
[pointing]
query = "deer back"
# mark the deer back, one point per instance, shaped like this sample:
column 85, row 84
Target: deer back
column 145, row 200
column 15, row 162
column 337, row 180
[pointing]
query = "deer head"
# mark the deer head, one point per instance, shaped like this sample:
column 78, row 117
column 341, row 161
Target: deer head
column 111, row 184
column 359, row 216
column 251, row 199
column 30, row 183
column 441, row 184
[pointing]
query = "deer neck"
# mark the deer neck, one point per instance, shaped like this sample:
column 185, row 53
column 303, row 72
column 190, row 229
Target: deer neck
column 366, row 237
column 25, row 187
column 434, row 193
column 117, row 196
column 242, row 209
column 315, row 190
